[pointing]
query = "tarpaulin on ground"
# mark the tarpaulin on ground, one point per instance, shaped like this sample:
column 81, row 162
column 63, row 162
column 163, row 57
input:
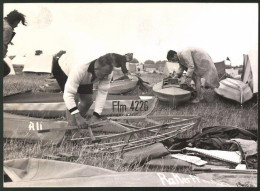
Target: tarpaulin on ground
column 28, row 169
column 48, row 173
column 223, row 138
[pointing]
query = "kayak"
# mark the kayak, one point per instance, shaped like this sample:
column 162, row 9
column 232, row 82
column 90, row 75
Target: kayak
column 51, row 105
column 22, row 127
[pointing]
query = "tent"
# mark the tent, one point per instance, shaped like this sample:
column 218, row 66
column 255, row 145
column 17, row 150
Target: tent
column 250, row 69
column 139, row 67
column 19, row 60
column 9, row 63
column 170, row 67
column 131, row 67
column 38, row 64
column 232, row 72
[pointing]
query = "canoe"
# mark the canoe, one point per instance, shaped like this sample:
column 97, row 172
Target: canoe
column 173, row 93
column 50, row 173
column 123, row 86
column 125, row 179
column 51, row 105
column 235, row 90
column 30, row 129
column 22, row 127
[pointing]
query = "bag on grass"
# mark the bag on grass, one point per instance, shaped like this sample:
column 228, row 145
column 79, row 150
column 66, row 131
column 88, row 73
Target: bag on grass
column 144, row 154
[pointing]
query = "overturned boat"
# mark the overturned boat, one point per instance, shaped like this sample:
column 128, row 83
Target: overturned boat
column 235, row 90
column 242, row 90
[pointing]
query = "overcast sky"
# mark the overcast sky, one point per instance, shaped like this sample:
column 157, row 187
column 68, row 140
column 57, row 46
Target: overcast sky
column 149, row 30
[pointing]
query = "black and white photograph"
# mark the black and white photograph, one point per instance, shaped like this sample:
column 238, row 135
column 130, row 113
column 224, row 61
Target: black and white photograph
column 148, row 94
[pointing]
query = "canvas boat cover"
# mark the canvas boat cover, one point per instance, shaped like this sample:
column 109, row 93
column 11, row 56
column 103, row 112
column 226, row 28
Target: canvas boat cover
column 31, row 172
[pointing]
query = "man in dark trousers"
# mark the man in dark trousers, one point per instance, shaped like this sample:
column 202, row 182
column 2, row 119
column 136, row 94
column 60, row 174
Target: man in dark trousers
column 78, row 81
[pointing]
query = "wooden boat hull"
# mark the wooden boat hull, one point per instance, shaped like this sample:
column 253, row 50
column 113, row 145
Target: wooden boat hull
column 172, row 94
column 116, row 87
column 51, row 105
column 235, row 90
column 122, row 86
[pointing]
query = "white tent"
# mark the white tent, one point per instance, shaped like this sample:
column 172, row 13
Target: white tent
column 232, row 72
column 9, row 63
column 250, row 75
column 38, row 64
column 139, row 67
column 170, row 67
column 131, row 67
column 19, row 60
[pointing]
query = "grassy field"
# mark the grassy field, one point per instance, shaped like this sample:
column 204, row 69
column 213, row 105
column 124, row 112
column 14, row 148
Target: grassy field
column 213, row 111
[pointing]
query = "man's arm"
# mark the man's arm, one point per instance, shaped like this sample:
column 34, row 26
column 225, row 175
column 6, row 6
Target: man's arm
column 101, row 97
column 7, row 36
column 70, row 92
column 124, row 69
column 190, row 64
column 180, row 71
column 71, row 88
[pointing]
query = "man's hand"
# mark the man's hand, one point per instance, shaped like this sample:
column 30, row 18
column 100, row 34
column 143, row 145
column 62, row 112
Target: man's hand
column 175, row 77
column 94, row 119
column 81, row 122
column 187, row 80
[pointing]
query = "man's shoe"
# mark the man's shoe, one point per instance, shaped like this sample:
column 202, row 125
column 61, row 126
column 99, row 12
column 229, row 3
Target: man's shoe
column 196, row 100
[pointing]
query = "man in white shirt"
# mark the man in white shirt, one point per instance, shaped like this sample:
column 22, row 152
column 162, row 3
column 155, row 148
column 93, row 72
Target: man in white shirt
column 198, row 64
column 79, row 81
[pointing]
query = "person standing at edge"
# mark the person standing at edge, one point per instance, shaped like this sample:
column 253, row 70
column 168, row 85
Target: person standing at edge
column 198, row 64
column 80, row 81
column 10, row 22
